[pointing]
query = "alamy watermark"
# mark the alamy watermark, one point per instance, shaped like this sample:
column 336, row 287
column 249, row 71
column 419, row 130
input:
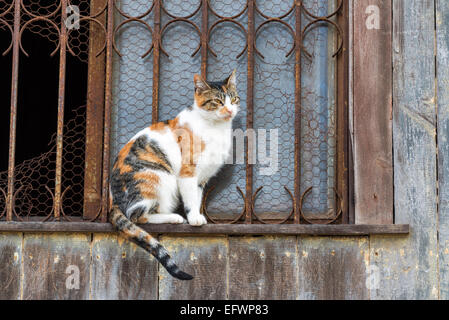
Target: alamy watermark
column 72, row 282
column 262, row 146
column 73, row 17
column 373, row 19
column 373, row 277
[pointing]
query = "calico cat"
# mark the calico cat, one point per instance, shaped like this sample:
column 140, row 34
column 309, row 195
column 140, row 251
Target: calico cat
column 171, row 160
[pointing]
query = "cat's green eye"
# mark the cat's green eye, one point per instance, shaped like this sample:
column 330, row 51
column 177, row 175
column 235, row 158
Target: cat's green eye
column 218, row 102
column 235, row 100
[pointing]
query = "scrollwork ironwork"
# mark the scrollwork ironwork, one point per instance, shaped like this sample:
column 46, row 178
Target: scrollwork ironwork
column 46, row 19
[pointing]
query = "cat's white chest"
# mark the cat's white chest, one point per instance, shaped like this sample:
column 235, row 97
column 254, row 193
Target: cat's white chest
column 217, row 148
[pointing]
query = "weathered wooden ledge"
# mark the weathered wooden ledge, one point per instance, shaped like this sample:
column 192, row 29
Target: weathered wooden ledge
column 214, row 229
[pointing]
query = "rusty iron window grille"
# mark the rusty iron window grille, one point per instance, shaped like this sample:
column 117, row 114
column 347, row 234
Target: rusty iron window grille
column 77, row 164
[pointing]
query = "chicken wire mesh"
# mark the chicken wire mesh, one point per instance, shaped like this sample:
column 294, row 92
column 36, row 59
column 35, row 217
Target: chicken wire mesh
column 274, row 89
column 133, row 75
column 228, row 42
column 318, row 116
column 178, row 34
column 35, row 177
column 40, row 25
column 43, row 18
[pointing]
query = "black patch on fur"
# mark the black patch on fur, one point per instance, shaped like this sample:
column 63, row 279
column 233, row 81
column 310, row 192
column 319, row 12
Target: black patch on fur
column 137, row 213
column 137, row 164
column 160, row 154
column 217, row 85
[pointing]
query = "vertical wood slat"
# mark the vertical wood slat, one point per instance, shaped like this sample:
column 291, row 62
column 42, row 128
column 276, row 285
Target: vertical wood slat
column 410, row 264
column 263, row 268
column 442, row 32
column 156, row 58
column 61, row 104
column 298, row 109
column 107, row 112
column 333, row 268
column 94, row 114
column 250, row 110
column 10, row 262
column 373, row 137
column 121, row 270
column 205, row 258
column 52, row 266
column 13, row 111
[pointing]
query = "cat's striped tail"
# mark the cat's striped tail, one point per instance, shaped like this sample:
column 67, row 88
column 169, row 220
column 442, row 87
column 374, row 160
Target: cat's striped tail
column 144, row 240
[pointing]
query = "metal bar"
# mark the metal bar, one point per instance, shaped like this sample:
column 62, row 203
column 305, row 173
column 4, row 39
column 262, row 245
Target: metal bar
column 13, row 115
column 107, row 112
column 156, row 55
column 350, row 37
column 250, row 111
column 204, row 37
column 343, row 114
column 61, row 101
column 298, row 108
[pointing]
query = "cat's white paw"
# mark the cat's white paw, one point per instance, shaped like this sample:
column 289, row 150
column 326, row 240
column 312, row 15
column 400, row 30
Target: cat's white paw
column 177, row 219
column 196, row 220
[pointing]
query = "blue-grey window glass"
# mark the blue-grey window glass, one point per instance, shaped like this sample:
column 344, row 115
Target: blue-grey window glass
column 274, row 95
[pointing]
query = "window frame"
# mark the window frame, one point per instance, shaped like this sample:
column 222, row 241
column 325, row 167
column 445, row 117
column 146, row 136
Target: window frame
column 99, row 126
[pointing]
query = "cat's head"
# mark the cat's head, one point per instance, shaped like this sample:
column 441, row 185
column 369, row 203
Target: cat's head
column 217, row 101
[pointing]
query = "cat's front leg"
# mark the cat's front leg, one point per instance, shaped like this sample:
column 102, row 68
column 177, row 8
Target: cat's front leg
column 188, row 188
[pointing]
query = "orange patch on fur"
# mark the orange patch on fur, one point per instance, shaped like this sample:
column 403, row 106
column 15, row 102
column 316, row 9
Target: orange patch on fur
column 187, row 171
column 149, row 156
column 225, row 111
column 142, row 220
column 149, row 184
column 199, row 99
column 160, row 126
column 124, row 168
column 110, row 204
column 172, row 124
column 191, row 148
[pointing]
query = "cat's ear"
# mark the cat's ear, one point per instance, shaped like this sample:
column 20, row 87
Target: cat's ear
column 232, row 79
column 200, row 84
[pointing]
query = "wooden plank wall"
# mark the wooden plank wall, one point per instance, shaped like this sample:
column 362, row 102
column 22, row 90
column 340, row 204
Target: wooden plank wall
column 37, row 266
column 412, row 263
column 442, row 31
column 378, row 267
column 372, row 111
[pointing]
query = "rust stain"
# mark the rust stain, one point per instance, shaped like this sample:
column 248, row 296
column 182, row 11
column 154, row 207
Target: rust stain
column 120, row 240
